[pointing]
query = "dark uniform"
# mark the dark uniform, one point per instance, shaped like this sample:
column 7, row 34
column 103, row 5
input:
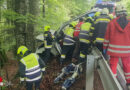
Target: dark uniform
column 68, row 43
column 85, row 38
column 48, row 39
column 100, row 29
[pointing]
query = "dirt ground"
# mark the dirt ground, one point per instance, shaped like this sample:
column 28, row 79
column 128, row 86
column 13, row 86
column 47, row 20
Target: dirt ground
column 53, row 69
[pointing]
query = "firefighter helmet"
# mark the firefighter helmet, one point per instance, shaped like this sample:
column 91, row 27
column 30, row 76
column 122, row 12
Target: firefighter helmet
column 120, row 10
column 22, row 50
column 74, row 23
column 46, row 28
column 105, row 11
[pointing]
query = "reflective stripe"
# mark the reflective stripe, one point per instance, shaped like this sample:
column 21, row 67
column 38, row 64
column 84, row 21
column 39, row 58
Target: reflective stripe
column 127, row 73
column 84, row 40
column 37, row 78
column 21, row 79
column 105, row 44
column 102, row 20
column 99, row 39
column 92, row 28
column 118, row 46
column 117, row 51
column 67, row 43
column 127, row 77
column 44, row 69
column 84, row 34
column 36, row 67
column 70, row 39
column 106, row 40
column 48, row 46
column 62, row 56
column 33, row 72
column 77, row 30
column 82, row 55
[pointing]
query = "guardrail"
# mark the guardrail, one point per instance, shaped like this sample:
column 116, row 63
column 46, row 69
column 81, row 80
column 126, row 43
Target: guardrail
column 108, row 80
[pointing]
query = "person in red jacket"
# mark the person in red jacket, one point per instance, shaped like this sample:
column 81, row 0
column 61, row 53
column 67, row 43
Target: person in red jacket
column 117, row 43
column 76, row 38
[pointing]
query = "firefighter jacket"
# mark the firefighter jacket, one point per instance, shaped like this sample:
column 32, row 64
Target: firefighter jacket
column 117, row 40
column 77, row 29
column 84, row 33
column 68, row 39
column 48, row 39
column 100, row 27
column 31, row 68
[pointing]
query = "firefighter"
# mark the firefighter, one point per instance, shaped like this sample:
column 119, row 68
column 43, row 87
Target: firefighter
column 84, row 38
column 31, row 68
column 48, row 39
column 100, row 28
column 68, row 41
column 117, row 42
column 76, row 38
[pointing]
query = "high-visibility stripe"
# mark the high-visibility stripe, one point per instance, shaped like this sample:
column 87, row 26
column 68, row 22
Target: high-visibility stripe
column 48, row 46
column 21, row 79
column 84, row 40
column 118, row 46
column 82, row 55
column 102, row 20
column 118, row 51
column 92, row 28
column 106, row 40
column 99, row 39
column 77, row 30
column 67, row 43
column 127, row 77
column 37, row 78
column 63, row 56
column 105, row 44
column 30, row 69
column 30, row 73
column 127, row 73
column 115, row 75
column 69, row 39
column 84, row 34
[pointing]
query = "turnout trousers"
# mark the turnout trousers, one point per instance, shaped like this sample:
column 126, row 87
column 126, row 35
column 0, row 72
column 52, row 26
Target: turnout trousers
column 29, row 85
column 84, row 50
column 65, row 50
column 126, row 66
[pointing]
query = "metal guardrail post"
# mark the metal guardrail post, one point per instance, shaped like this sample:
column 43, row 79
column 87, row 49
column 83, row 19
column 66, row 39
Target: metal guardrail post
column 89, row 72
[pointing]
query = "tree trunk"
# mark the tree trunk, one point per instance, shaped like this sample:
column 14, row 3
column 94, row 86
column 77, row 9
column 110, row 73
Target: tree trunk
column 31, row 27
column 43, row 8
column 20, row 30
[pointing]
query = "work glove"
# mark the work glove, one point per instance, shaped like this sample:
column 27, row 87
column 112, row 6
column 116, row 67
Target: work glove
column 104, row 51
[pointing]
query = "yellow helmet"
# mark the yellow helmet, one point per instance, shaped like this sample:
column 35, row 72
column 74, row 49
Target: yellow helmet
column 22, row 50
column 46, row 28
column 74, row 23
column 97, row 14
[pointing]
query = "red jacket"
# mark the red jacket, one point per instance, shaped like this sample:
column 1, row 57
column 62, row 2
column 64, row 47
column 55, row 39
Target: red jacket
column 117, row 40
column 77, row 29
